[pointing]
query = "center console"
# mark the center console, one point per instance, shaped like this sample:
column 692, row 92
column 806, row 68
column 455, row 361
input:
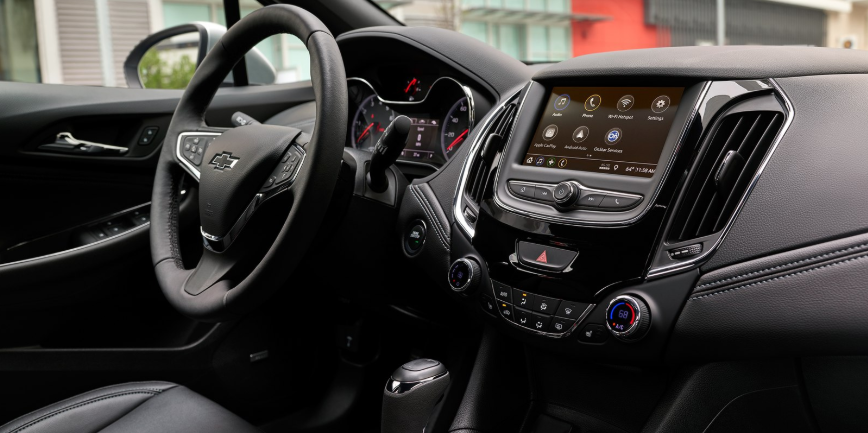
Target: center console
column 571, row 204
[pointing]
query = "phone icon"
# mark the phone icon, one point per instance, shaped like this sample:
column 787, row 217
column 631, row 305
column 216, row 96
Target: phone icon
column 593, row 102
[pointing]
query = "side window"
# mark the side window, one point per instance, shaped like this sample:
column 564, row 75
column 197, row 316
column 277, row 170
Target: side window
column 85, row 42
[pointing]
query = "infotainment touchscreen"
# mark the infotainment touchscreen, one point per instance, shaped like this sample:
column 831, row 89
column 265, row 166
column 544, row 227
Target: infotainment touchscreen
column 617, row 130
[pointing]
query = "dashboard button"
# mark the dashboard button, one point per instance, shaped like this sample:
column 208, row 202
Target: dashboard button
column 571, row 310
column 618, row 202
column 488, row 304
column 540, row 322
column 590, row 199
column 523, row 317
column 560, row 325
column 544, row 193
column 593, row 333
column 502, row 292
column 521, row 189
column 544, row 304
column 505, row 310
column 414, row 238
column 544, row 257
column 522, row 299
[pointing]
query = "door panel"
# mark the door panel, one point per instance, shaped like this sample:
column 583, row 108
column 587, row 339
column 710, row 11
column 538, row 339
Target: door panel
column 94, row 309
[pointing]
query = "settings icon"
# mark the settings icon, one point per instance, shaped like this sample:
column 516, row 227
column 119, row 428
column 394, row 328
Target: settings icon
column 660, row 104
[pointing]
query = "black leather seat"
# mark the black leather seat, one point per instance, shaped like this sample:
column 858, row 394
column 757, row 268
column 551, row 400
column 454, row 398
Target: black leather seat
column 140, row 407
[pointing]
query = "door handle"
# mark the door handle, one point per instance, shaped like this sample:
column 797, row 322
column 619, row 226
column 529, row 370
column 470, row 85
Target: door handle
column 66, row 143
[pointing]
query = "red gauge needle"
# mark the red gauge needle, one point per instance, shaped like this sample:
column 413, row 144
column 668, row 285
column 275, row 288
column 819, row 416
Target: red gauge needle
column 365, row 132
column 407, row 90
column 457, row 140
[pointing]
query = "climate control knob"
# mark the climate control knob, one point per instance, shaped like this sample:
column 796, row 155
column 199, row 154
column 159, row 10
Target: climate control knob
column 464, row 275
column 628, row 318
column 566, row 193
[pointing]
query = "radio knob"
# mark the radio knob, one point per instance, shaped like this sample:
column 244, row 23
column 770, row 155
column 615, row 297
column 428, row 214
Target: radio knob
column 566, row 193
column 628, row 318
column 464, row 275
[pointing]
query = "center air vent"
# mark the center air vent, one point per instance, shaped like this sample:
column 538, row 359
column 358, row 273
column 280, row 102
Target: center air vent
column 728, row 161
column 481, row 164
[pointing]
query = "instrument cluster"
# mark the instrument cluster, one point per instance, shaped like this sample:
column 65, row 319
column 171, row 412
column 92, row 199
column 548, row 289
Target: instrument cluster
column 441, row 110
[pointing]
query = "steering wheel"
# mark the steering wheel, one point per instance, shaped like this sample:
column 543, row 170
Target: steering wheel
column 241, row 168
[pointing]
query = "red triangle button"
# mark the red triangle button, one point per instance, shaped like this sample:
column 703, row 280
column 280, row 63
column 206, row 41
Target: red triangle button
column 542, row 257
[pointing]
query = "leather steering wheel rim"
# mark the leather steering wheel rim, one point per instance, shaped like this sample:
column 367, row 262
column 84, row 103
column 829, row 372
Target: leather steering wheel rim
column 311, row 190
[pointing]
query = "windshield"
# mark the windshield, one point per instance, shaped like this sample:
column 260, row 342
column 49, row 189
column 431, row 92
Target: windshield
column 536, row 31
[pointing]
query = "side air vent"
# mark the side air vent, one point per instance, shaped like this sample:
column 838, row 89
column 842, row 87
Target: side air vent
column 728, row 161
column 481, row 164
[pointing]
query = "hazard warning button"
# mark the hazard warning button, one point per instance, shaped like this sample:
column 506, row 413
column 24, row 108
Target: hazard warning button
column 544, row 256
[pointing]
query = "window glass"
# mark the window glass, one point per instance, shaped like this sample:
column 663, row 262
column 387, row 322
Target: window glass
column 509, row 38
column 475, row 29
column 570, row 28
column 86, row 42
column 19, row 55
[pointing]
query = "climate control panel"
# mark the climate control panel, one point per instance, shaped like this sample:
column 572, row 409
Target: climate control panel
column 539, row 313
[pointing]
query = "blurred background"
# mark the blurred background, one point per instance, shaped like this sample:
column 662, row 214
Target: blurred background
column 85, row 42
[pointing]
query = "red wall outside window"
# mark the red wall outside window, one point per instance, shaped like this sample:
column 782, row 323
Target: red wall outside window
column 624, row 31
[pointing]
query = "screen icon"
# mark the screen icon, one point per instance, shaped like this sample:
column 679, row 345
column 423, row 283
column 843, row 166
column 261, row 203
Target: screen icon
column 562, row 163
column 625, row 103
column 613, row 136
column 562, row 102
column 593, row 102
column 550, row 162
column 540, row 161
column 660, row 104
column 581, row 134
column 549, row 132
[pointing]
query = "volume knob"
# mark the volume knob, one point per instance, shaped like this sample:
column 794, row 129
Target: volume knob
column 566, row 193
column 628, row 318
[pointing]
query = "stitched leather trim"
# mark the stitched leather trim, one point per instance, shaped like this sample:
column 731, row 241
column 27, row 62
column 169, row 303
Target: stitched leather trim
column 431, row 215
column 778, row 267
column 150, row 391
column 174, row 212
column 780, row 277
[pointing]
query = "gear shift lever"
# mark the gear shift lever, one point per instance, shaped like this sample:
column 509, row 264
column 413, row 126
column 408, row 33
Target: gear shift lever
column 411, row 394
column 387, row 151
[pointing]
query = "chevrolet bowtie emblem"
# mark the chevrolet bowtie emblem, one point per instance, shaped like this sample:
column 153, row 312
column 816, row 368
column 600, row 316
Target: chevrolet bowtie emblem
column 224, row 160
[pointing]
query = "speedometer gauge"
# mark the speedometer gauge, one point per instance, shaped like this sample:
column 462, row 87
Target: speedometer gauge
column 456, row 126
column 369, row 123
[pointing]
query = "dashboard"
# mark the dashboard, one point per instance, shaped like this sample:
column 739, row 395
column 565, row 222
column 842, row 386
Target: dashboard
column 441, row 110
column 602, row 205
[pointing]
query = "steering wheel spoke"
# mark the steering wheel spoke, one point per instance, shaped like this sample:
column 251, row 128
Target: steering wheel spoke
column 191, row 148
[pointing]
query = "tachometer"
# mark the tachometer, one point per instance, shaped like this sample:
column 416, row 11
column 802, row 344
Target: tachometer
column 369, row 123
column 456, row 126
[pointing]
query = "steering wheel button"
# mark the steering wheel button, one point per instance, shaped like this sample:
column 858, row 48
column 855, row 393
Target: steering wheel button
column 544, row 257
